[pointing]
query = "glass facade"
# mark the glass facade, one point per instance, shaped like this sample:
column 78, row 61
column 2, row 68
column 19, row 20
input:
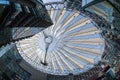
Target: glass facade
column 110, row 12
column 4, row 2
column 116, row 4
column 102, row 9
column 9, row 65
column 85, row 2
column 24, row 21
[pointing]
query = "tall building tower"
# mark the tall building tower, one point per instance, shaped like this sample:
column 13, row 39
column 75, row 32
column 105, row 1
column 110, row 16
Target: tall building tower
column 20, row 19
column 18, row 13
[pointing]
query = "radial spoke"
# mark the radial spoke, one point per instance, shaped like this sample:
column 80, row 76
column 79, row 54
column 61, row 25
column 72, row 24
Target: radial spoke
column 62, row 30
column 90, row 41
column 80, row 23
column 66, row 21
column 80, row 56
column 51, row 13
column 65, row 61
column 75, row 62
column 54, row 24
column 53, row 64
column 58, row 62
column 60, row 15
column 30, row 55
column 88, row 31
column 93, row 51
column 61, row 61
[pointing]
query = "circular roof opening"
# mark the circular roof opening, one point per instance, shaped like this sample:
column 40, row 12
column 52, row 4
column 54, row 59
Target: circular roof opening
column 48, row 39
column 71, row 45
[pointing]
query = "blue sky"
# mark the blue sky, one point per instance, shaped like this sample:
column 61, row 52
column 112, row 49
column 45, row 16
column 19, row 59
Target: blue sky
column 45, row 1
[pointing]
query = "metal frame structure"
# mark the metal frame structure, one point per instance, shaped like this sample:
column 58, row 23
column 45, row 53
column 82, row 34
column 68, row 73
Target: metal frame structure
column 74, row 33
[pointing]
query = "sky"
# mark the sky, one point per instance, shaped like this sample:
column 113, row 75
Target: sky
column 46, row 1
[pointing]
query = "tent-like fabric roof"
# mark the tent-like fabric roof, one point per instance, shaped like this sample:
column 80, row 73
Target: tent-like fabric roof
column 71, row 45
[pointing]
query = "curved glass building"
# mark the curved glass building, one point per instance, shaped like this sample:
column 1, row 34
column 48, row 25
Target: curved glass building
column 71, row 45
column 59, row 40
